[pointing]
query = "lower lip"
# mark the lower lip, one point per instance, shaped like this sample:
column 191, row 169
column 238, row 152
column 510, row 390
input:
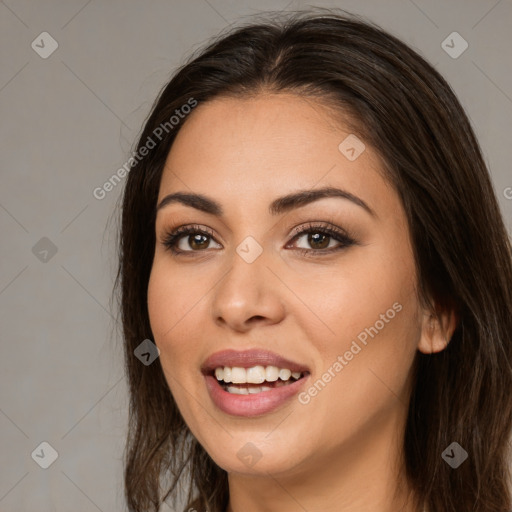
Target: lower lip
column 252, row 404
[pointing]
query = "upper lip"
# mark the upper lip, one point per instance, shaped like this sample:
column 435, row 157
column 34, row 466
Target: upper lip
column 249, row 358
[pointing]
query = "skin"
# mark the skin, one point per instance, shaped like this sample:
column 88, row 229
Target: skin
column 341, row 451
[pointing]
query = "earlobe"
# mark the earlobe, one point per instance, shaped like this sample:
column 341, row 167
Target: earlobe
column 437, row 331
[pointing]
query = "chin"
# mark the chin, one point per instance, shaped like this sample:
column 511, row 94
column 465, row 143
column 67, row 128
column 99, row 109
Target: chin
column 251, row 458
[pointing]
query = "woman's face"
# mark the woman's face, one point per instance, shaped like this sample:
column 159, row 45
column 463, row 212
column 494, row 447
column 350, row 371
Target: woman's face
column 345, row 312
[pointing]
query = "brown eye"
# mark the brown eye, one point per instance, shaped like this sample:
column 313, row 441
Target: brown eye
column 319, row 239
column 198, row 241
column 188, row 239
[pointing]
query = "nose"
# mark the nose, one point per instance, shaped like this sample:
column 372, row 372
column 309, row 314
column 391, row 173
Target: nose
column 248, row 295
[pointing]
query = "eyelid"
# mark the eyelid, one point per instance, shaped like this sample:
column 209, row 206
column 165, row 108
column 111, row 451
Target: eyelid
column 176, row 233
column 321, row 225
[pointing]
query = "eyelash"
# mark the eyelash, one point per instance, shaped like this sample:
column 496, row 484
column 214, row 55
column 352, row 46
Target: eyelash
column 171, row 238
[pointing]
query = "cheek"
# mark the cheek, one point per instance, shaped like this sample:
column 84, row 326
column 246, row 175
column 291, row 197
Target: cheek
column 162, row 301
column 369, row 306
column 174, row 296
column 376, row 331
column 373, row 311
column 339, row 302
column 172, row 302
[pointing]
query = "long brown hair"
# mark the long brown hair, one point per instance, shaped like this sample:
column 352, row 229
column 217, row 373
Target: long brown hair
column 407, row 112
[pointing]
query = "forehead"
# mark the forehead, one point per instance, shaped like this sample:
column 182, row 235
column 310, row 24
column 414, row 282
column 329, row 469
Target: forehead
column 271, row 125
column 260, row 145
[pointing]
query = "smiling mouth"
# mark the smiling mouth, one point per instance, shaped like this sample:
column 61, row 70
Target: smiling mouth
column 250, row 388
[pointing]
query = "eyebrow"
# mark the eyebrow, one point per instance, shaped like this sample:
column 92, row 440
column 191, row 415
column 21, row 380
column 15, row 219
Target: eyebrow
column 278, row 206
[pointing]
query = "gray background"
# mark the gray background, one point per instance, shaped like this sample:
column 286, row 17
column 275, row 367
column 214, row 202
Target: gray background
column 68, row 123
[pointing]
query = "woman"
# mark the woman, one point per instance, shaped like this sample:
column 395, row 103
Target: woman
column 311, row 239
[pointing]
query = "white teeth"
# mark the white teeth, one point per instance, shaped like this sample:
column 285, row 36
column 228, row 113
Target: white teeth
column 284, row 374
column 254, row 375
column 238, row 375
column 238, row 391
column 247, row 391
column 271, row 373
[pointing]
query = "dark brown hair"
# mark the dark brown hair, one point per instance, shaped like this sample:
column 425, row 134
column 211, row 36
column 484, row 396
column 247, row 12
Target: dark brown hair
column 404, row 109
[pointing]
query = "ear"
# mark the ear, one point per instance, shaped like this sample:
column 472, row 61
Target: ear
column 437, row 330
